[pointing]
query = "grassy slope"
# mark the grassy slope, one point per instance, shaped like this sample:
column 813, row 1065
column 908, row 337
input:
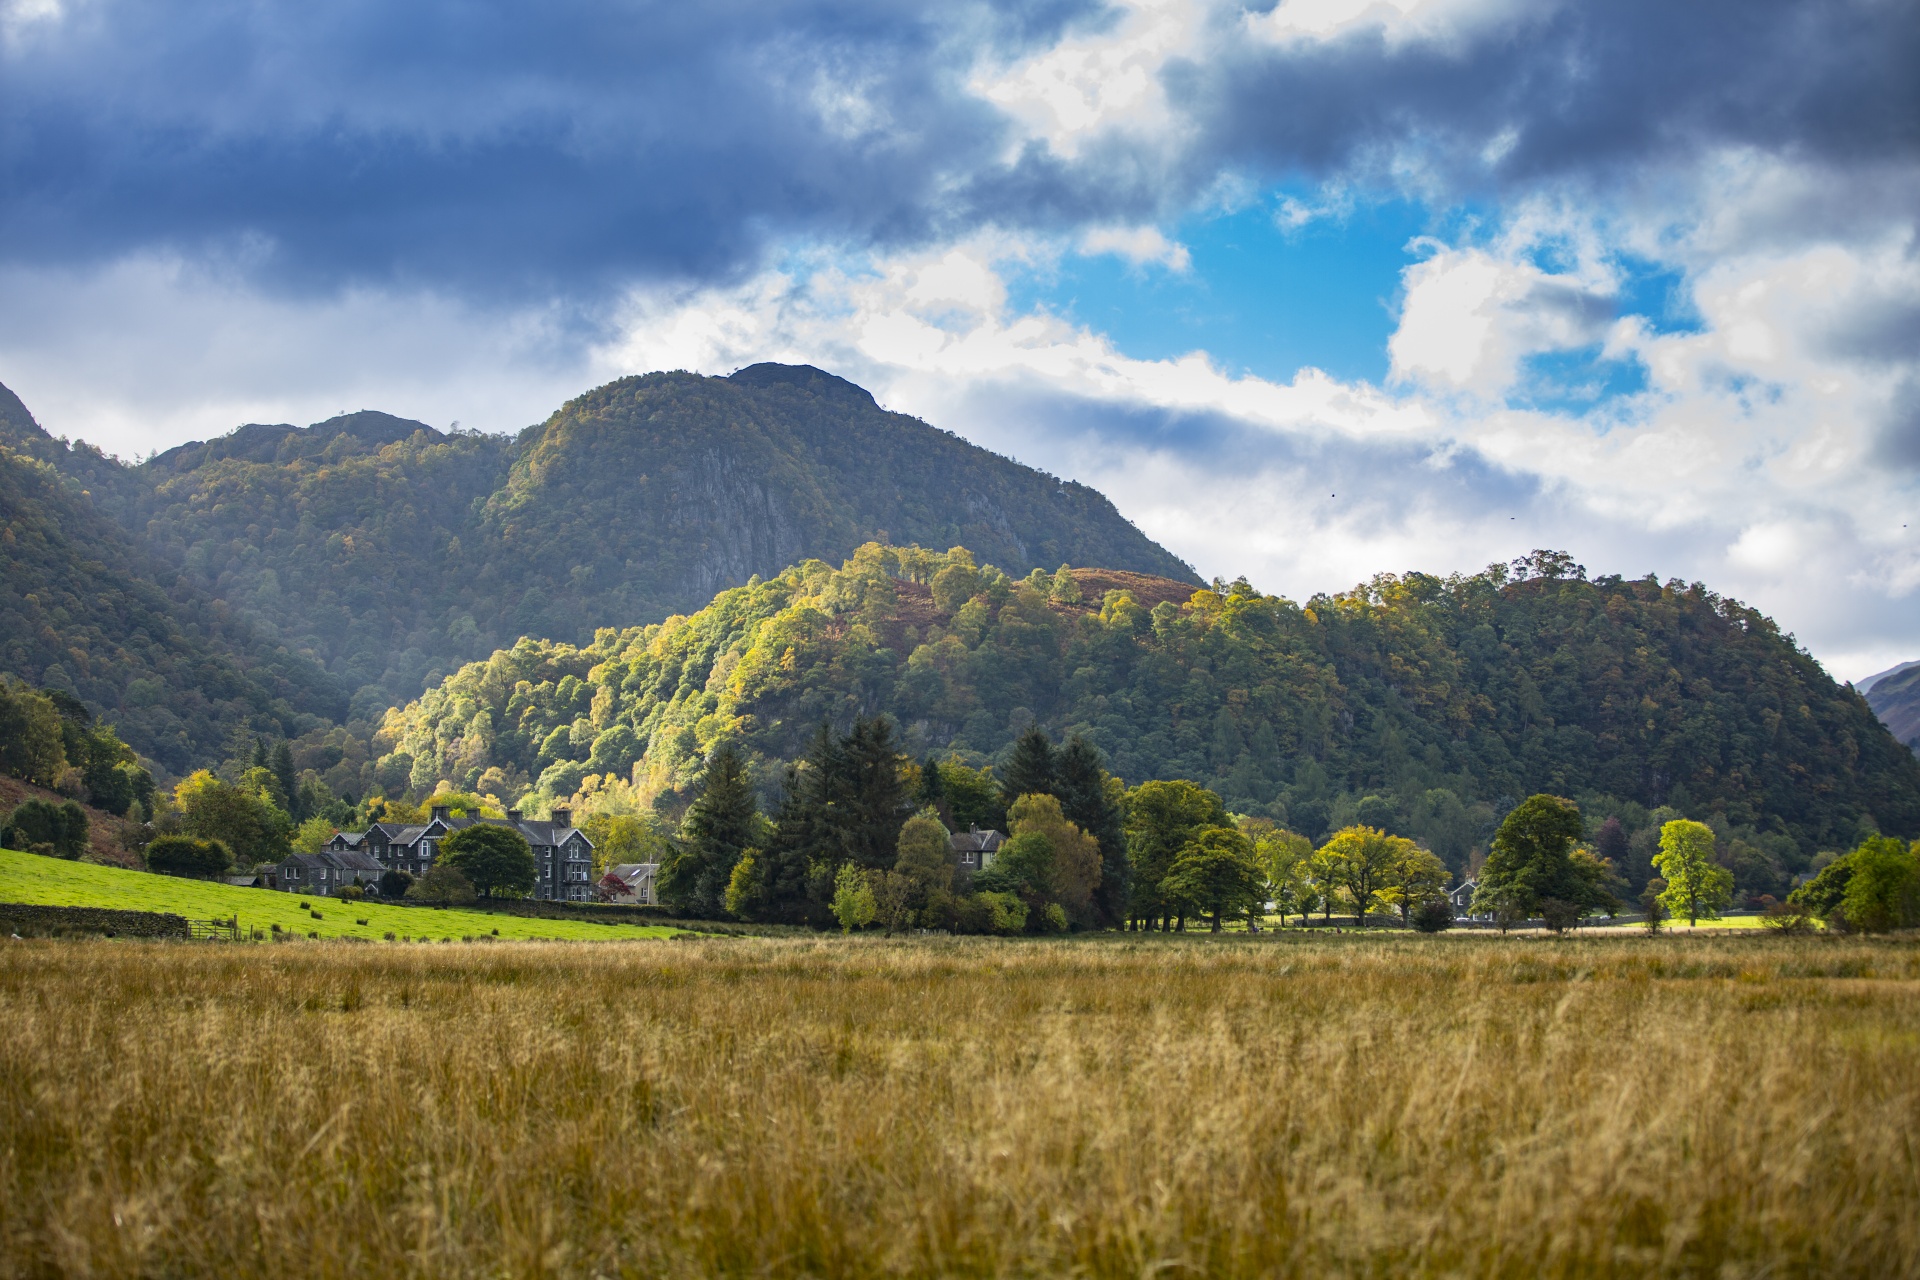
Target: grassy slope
column 29, row 878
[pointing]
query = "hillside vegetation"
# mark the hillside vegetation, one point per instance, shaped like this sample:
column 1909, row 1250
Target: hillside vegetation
column 389, row 552
column 1415, row 702
column 87, row 611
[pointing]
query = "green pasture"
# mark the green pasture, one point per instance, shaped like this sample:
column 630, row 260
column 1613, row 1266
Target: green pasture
column 40, row 881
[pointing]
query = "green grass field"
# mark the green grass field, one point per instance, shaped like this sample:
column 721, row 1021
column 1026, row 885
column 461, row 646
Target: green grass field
column 30, row 878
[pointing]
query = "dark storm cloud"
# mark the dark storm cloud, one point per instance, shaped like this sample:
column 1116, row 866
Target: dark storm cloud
column 1580, row 89
column 492, row 146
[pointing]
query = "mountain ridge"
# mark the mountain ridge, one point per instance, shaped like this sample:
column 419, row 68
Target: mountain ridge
column 387, row 552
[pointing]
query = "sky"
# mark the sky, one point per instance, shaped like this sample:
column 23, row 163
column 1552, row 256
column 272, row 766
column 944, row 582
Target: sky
column 1313, row 290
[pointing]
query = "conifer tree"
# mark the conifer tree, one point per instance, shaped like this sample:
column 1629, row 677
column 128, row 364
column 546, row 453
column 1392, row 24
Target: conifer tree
column 1030, row 769
column 875, row 803
column 280, row 764
column 719, row 827
column 1087, row 796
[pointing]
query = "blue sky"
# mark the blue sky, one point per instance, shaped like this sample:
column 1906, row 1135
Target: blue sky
column 1630, row 278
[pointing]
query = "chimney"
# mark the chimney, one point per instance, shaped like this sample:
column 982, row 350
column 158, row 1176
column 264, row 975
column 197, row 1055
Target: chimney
column 563, row 818
column 513, row 815
column 440, row 812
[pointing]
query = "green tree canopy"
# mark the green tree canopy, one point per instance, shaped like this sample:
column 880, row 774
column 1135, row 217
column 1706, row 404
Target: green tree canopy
column 496, row 860
column 1531, row 871
column 192, row 856
column 1162, row 818
column 1883, row 891
column 1697, row 886
column 1216, row 874
column 41, row 826
column 1358, row 862
column 241, row 816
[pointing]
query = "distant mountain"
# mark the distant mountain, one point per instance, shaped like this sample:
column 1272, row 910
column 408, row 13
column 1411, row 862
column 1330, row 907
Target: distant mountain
column 86, row 610
column 1895, row 698
column 1866, row 686
column 390, row 552
column 1421, row 704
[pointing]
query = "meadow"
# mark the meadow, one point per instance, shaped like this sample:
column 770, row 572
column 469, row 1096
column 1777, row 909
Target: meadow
column 1721, row 1104
column 41, row 881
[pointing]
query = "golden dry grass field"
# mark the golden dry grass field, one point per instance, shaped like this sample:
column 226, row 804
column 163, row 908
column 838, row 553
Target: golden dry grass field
column 1717, row 1105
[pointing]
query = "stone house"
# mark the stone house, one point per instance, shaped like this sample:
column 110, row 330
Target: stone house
column 327, row 872
column 974, row 849
column 562, row 854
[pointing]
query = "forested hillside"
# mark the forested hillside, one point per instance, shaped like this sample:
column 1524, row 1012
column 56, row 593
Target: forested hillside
column 1414, row 702
column 85, row 611
column 390, row 552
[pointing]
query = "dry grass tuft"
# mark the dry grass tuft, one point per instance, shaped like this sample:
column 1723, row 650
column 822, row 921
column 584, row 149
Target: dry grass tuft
column 1387, row 1106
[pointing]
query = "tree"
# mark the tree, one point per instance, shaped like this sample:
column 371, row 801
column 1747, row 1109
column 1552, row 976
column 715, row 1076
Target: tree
column 720, row 825
column 1162, row 817
column 1697, row 886
column 41, row 826
column 1076, row 864
column 626, row 837
column 893, row 899
column 394, row 884
column 1094, row 800
column 973, row 797
column 190, row 856
column 1416, row 878
column 1530, row 869
column 930, row 790
column 1884, row 890
column 853, row 904
column 494, row 859
column 1359, row 861
column 1029, row 769
column 280, row 765
column 1024, row 865
column 1217, row 874
column 924, row 854
column 441, row 886
column 239, row 816
column 1826, row 892
column 1611, row 843
column 31, row 742
column 312, row 835
column 1287, row 858
column 1433, row 916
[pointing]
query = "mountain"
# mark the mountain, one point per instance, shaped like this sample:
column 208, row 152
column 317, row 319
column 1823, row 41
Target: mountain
column 1424, row 704
column 85, row 610
column 390, row 552
column 1895, row 698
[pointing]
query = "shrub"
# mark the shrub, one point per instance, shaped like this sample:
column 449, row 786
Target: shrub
column 188, row 856
column 40, row 826
column 394, row 884
column 352, row 893
column 1433, row 915
column 440, row 886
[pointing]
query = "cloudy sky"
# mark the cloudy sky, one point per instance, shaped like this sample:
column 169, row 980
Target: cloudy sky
column 1313, row 290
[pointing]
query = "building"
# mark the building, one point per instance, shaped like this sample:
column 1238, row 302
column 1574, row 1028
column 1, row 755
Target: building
column 562, row 854
column 1461, row 896
column 631, row 884
column 325, row 873
column 974, row 849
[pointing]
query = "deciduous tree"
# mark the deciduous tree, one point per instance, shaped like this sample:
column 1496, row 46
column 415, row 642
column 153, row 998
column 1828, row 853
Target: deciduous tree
column 1358, row 861
column 1216, row 874
column 496, row 860
column 1697, row 886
